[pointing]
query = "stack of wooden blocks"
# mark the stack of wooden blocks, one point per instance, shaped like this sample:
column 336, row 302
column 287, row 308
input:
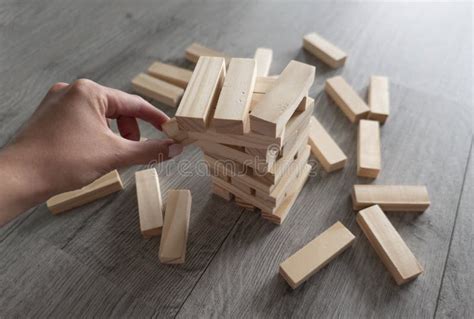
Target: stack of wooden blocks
column 253, row 130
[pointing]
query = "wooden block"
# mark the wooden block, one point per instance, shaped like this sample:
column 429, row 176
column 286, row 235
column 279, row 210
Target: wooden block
column 101, row 187
column 242, row 186
column 271, row 114
column 389, row 245
column 323, row 147
column 246, row 140
column 157, row 89
column 264, row 84
column 172, row 130
column 392, row 198
column 316, row 254
column 369, row 158
column 242, row 203
column 196, row 50
column 232, row 110
column 263, row 56
column 222, row 193
column 281, row 212
column 170, row 73
column 379, row 98
column 150, row 208
column 324, row 50
column 200, row 97
column 346, row 98
column 175, row 228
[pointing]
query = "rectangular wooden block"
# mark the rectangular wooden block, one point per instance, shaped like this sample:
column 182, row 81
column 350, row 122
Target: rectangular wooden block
column 346, row 98
column 157, row 89
column 170, row 73
column 175, row 228
column 196, row 50
column 171, row 129
column 316, row 254
column 389, row 245
column 246, row 140
column 369, row 157
column 263, row 56
column 323, row 147
column 101, row 187
column 232, row 110
column 271, row 114
column 324, row 50
column 199, row 99
column 392, row 198
column 379, row 98
column 264, row 84
column 150, row 208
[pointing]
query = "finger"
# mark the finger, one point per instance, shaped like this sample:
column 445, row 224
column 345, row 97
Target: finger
column 123, row 104
column 58, row 86
column 149, row 151
column 128, row 128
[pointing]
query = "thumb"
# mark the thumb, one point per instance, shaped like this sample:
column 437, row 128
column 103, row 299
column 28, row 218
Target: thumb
column 149, row 151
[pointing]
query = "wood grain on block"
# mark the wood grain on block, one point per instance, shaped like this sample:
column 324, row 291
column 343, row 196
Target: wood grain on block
column 199, row 99
column 157, row 89
column 246, row 140
column 389, row 245
column 242, row 203
column 271, row 114
column 346, row 98
column 242, row 186
column 175, row 228
column 101, row 187
column 171, row 129
column 150, row 208
column 222, row 193
column 379, row 98
column 316, row 254
column 281, row 212
column 264, row 57
column 196, row 50
column 323, row 147
column 324, row 50
column 232, row 110
column 393, row 198
column 264, row 84
column 369, row 157
column 170, row 73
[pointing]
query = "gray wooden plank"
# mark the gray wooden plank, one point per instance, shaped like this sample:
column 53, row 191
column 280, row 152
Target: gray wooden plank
column 356, row 284
column 456, row 298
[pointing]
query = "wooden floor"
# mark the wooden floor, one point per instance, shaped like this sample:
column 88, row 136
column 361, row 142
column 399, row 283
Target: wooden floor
column 92, row 262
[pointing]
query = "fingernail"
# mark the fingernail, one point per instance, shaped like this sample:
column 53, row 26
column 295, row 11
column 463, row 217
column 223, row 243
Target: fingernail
column 174, row 150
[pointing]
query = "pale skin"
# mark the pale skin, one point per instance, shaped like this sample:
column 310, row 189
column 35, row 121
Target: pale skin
column 67, row 143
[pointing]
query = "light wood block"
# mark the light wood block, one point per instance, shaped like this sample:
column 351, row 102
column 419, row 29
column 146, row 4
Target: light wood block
column 272, row 113
column 369, row 157
column 157, row 89
column 346, row 98
column 324, row 50
column 196, row 50
column 242, row 203
column 242, row 186
column 392, row 198
column 199, row 99
column 264, row 57
column 323, row 147
column 175, row 228
column 101, row 187
column 222, row 193
column 246, row 140
column 379, row 98
column 232, row 110
column 264, row 84
column 170, row 73
column 389, row 245
column 150, row 207
column 171, row 129
column 316, row 254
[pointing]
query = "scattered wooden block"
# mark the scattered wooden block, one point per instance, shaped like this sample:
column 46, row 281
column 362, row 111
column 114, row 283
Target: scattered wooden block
column 175, row 228
column 196, row 50
column 170, row 73
column 346, row 98
column 324, row 50
column 150, row 208
column 379, row 98
column 389, row 245
column 232, row 110
column 323, row 147
column 392, row 198
column 263, row 56
column 316, row 254
column 101, row 187
column 157, row 89
column 271, row 114
column 201, row 95
column 264, row 84
column 369, row 158
column 222, row 193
